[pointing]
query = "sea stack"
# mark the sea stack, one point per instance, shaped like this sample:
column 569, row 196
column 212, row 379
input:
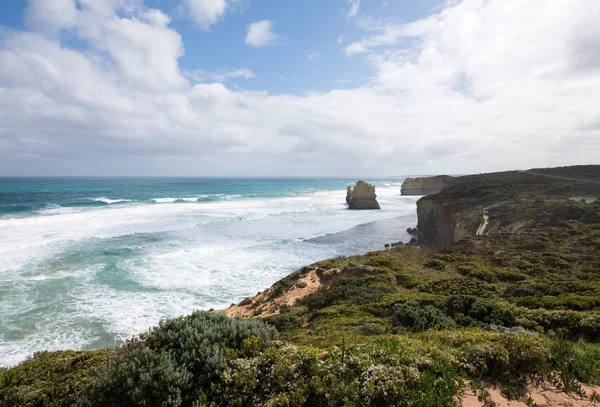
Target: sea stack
column 425, row 185
column 362, row 196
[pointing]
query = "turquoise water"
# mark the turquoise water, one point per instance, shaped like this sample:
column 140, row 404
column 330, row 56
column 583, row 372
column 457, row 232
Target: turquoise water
column 88, row 262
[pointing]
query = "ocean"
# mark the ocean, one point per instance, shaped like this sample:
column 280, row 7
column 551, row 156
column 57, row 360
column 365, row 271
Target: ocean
column 88, row 262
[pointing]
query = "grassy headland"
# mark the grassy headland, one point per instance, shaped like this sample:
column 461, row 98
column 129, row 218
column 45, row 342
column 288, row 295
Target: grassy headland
column 516, row 308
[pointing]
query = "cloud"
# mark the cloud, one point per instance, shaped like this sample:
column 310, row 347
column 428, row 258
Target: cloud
column 204, row 12
column 473, row 87
column 354, row 7
column 389, row 35
column 260, row 34
column 220, row 76
column 313, row 56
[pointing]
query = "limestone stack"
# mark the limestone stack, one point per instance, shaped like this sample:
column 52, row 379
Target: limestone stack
column 362, row 196
column 425, row 185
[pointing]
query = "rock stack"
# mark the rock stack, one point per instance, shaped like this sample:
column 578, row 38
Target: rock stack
column 362, row 196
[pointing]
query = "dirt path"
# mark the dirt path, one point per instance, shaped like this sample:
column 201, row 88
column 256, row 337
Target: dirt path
column 483, row 226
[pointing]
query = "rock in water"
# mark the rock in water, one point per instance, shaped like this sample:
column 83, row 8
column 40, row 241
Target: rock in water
column 362, row 196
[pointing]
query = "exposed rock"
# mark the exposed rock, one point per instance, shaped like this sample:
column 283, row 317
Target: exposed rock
column 438, row 225
column 425, row 185
column 362, row 196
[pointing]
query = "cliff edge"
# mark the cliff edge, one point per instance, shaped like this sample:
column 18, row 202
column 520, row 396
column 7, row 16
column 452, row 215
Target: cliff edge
column 503, row 202
column 425, row 185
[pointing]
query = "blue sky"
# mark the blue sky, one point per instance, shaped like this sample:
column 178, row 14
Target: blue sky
column 307, row 56
column 274, row 87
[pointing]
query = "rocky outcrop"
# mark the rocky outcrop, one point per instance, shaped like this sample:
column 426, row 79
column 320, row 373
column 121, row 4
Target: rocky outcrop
column 438, row 224
column 362, row 196
column 425, row 185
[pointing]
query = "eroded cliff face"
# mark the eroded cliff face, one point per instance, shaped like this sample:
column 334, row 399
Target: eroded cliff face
column 439, row 224
column 424, row 185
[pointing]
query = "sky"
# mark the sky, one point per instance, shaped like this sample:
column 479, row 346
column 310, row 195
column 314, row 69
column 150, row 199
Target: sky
column 297, row 87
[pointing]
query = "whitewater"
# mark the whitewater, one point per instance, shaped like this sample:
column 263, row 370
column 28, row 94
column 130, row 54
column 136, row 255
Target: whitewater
column 85, row 264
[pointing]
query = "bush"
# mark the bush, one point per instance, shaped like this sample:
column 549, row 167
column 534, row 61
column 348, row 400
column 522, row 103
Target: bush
column 178, row 360
column 435, row 264
column 510, row 276
column 413, row 317
column 284, row 322
column 473, row 311
column 51, row 378
column 532, row 290
column 460, row 286
column 381, row 261
column 371, row 329
column 352, row 290
column 301, row 284
column 293, row 376
column 475, row 271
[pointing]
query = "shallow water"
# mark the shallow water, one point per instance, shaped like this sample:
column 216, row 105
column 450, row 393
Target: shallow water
column 86, row 263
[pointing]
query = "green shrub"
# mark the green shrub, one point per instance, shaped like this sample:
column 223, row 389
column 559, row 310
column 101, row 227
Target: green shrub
column 572, row 324
column 381, row 261
column 532, row 290
column 510, row 276
column 460, row 286
column 371, row 329
column 413, row 317
column 512, row 359
column 284, row 322
column 145, row 378
column 292, row 376
column 468, row 310
column 51, row 378
column 476, row 271
column 352, row 290
column 301, row 284
column 246, row 301
column 178, row 360
column 574, row 302
column 435, row 264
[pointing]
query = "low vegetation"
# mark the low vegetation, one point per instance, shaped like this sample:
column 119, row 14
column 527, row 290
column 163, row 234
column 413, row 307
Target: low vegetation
column 401, row 327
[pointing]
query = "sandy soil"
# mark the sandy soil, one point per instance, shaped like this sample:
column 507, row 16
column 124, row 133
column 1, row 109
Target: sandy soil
column 270, row 307
column 542, row 395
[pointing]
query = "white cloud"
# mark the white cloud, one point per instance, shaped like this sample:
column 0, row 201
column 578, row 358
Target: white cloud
column 340, row 39
column 260, row 34
column 50, row 15
column 205, row 12
column 313, row 56
column 479, row 86
column 220, row 76
column 389, row 35
column 354, row 7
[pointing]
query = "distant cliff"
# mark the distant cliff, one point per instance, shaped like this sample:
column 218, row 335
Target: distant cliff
column 425, row 185
column 504, row 201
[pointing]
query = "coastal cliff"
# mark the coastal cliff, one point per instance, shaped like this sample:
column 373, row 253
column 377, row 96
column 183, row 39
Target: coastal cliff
column 425, row 185
column 438, row 224
column 491, row 203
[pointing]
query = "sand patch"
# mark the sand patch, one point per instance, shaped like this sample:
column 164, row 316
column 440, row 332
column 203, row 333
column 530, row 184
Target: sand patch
column 542, row 395
column 262, row 305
